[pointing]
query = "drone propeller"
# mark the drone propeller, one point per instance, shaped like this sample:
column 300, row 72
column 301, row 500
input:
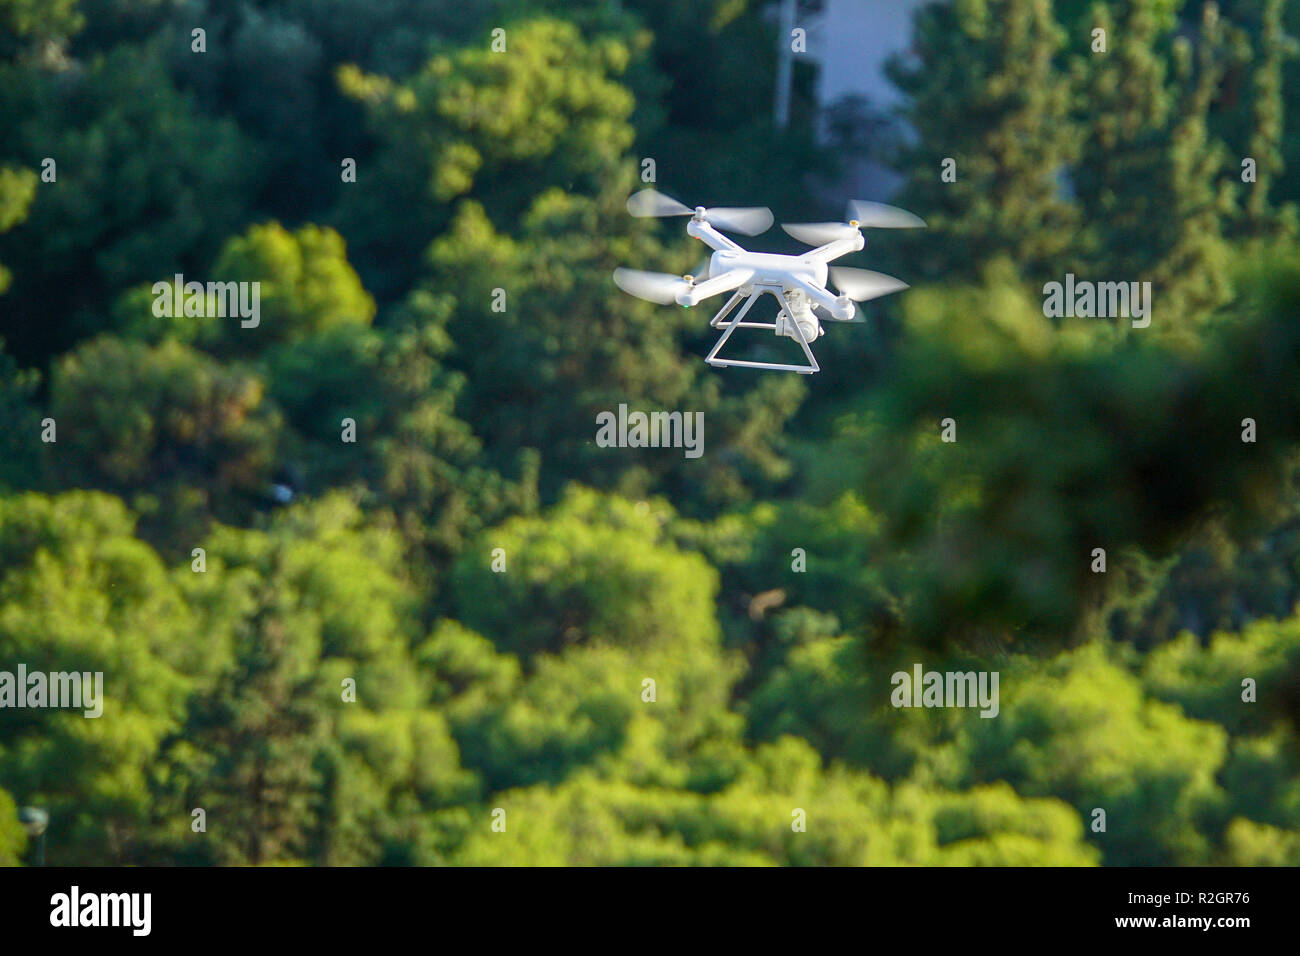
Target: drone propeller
column 862, row 215
column 746, row 220
column 819, row 233
column 661, row 287
column 863, row 284
column 876, row 215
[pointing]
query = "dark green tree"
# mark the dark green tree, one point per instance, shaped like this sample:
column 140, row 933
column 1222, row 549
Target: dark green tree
column 983, row 89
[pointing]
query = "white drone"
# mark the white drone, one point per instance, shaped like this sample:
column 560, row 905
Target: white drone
column 797, row 282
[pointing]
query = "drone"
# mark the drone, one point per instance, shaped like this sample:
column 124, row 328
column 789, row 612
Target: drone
column 797, row 282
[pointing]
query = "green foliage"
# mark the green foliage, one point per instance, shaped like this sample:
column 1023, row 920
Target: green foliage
column 146, row 188
column 79, row 592
column 13, row 838
column 668, row 661
column 37, row 22
column 274, row 747
column 594, row 570
column 851, row 819
column 1082, row 730
column 183, row 431
column 984, row 91
column 531, row 375
column 1062, row 451
column 711, row 127
column 1149, row 170
column 412, row 453
column 539, row 171
column 487, row 125
column 307, row 286
column 20, row 463
column 1273, row 49
column 17, row 187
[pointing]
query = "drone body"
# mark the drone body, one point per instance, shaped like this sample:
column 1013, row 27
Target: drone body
column 798, row 282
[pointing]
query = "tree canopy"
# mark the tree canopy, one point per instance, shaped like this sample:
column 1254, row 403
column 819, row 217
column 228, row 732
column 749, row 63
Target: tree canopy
column 365, row 590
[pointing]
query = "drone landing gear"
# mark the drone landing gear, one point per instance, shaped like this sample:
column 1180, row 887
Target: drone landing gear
column 718, row 322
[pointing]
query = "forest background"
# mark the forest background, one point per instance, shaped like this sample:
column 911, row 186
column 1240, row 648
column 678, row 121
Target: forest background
column 200, row 532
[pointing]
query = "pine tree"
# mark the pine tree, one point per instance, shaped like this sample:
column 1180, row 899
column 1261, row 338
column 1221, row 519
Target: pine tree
column 1147, row 175
column 984, row 92
column 1192, row 272
column 1124, row 105
column 258, row 734
column 1262, row 218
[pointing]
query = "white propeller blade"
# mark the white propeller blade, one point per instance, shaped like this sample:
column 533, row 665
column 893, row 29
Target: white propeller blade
column 819, row 233
column 649, row 202
column 863, row 284
column 661, row 287
column 862, row 215
column 746, row 220
column 875, row 215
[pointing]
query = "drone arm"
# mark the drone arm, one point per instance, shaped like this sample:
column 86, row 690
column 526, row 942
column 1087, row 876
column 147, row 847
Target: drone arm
column 697, row 293
column 841, row 307
column 833, row 250
column 702, row 231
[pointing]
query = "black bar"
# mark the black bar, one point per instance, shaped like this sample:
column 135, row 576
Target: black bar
column 485, row 908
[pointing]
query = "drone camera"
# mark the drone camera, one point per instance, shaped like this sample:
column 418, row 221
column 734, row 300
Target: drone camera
column 799, row 323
